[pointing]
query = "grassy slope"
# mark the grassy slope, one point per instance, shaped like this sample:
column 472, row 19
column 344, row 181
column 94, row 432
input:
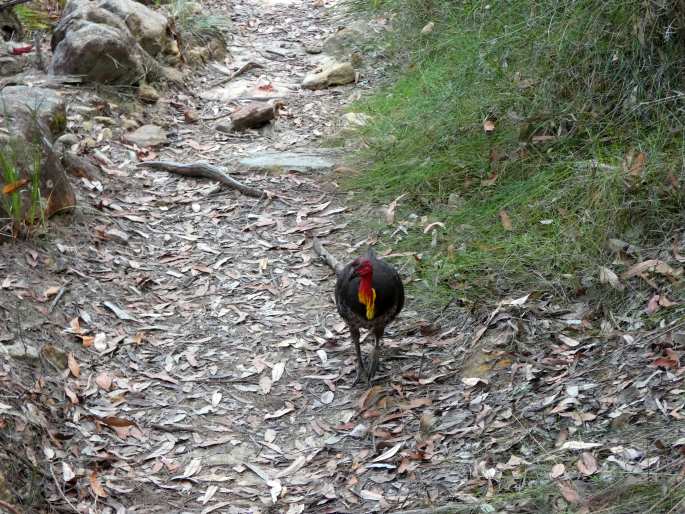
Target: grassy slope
column 579, row 93
column 588, row 145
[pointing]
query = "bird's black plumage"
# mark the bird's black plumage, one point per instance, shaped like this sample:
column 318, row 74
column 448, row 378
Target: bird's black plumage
column 388, row 303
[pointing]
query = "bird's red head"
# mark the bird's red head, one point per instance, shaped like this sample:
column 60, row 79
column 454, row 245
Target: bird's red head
column 362, row 268
column 366, row 293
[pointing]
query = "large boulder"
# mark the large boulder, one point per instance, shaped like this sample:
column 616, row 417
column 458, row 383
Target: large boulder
column 150, row 28
column 99, row 52
column 33, row 117
column 111, row 41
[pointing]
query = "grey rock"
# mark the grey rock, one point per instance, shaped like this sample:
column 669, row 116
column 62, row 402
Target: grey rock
column 313, row 49
column 348, row 40
column 111, row 41
column 10, row 66
column 148, row 94
column 27, row 107
column 20, row 351
column 149, row 28
column 335, row 74
column 117, row 235
column 67, row 140
column 147, row 135
column 99, row 52
column 295, row 161
column 173, row 75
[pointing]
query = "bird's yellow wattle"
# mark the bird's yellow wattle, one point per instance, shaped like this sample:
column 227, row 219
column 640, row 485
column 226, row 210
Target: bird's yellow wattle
column 368, row 298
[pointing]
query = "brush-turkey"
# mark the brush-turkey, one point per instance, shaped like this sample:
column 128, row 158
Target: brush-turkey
column 369, row 294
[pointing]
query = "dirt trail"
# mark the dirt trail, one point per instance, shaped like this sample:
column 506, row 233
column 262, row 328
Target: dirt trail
column 210, row 370
column 216, row 367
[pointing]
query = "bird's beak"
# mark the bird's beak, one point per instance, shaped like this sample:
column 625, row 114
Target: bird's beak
column 355, row 274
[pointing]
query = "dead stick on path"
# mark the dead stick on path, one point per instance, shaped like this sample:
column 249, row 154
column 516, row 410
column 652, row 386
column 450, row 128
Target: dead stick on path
column 61, row 493
column 8, row 508
column 206, row 170
column 326, row 256
column 238, row 72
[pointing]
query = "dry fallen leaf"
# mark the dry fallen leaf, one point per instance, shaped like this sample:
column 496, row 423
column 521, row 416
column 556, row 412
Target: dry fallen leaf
column 652, row 305
column 96, row 486
column 269, row 435
column 265, row 384
column 506, row 220
column 557, row 471
column 277, row 371
column 67, row 473
column 587, row 464
column 428, row 28
column 71, row 394
column 635, row 163
column 10, row 188
column 388, row 453
column 652, row 265
column 606, row 276
column 104, row 381
column 579, row 445
column 431, row 226
column 74, row 366
column 489, row 126
column 390, row 210
column 568, row 341
column 51, row 291
column 569, row 492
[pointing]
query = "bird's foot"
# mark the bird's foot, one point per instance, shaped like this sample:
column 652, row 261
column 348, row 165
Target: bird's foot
column 373, row 365
column 361, row 376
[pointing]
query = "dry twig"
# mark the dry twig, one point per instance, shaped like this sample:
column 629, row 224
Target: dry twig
column 61, row 493
column 8, row 507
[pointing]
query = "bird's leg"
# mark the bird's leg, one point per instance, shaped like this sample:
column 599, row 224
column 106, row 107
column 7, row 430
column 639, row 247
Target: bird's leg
column 361, row 371
column 374, row 357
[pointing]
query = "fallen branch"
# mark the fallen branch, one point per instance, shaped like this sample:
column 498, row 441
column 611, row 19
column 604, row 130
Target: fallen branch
column 59, row 296
column 4, row 506
column 326, row 256
column 206, row 170
column 245, row 67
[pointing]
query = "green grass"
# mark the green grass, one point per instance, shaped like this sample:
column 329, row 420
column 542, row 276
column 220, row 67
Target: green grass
column 574, row 88
column 198, row 26
column 619, row 494
column 23, row 205
column 34, row 19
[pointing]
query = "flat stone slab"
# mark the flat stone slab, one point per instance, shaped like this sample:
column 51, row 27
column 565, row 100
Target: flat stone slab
column 247, row 88
column 296, row 161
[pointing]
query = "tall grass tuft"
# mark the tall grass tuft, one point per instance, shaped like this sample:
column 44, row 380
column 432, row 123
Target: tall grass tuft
column 21, row 197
